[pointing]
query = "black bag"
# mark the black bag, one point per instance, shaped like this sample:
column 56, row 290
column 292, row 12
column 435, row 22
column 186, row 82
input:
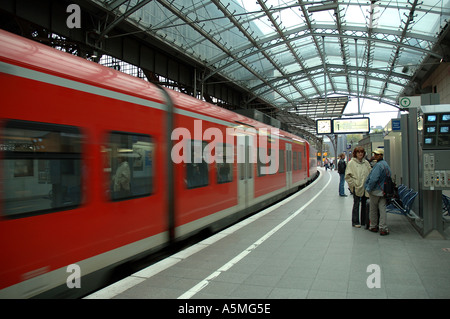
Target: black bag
column 390, row 189
column 341, row 166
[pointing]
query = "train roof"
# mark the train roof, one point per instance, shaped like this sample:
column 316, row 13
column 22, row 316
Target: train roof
column 30, row 54
column 36, row 56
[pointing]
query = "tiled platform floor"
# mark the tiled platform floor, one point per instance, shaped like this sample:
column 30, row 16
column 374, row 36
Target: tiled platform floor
column 311, row 251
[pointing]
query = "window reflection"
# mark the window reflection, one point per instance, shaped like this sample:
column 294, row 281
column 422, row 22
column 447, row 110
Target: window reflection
column 41, row 167
column 128, row 158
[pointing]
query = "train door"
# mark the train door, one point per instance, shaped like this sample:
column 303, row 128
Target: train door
column 288, row 165
column 246, row 180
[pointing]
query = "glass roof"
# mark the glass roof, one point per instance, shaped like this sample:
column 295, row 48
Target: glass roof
column 289, row 52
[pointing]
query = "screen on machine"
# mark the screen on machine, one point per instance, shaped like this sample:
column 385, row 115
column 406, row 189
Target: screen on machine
column 437, row 130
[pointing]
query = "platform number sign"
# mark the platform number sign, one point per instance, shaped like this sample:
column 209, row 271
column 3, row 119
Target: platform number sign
column 405, row 102
column 410, row 101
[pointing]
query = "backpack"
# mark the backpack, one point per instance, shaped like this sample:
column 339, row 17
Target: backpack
column 341, row 167
column 390, row 189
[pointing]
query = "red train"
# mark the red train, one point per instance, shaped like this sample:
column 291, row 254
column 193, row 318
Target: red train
column 89, row 175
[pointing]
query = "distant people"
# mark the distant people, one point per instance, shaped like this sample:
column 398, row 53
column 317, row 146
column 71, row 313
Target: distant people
column 121, row 180
column 375, row 187
column 341, row 170
column 356, row 173
column 327, row 164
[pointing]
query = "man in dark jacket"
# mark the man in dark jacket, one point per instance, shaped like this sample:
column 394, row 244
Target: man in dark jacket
column 341, row 170
column 375, row 187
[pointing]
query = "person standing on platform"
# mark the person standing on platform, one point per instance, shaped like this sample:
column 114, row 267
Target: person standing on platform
column 357, row 171
column 375, row 187
column 341, row 170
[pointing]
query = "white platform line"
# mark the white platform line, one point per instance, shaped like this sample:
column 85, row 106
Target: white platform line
column 194, row 290
column 140, row 276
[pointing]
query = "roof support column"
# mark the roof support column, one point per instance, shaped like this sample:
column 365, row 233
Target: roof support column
column 357, row 75
column 325, row 76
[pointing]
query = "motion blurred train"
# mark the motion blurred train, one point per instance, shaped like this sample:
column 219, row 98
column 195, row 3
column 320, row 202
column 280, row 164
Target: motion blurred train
column 88, row 175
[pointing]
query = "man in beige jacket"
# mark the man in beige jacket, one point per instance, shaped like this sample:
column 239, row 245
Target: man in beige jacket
column 356, row 173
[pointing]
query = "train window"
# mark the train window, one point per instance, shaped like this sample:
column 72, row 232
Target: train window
column 294, row 160
column 259, row 163
column 299, row 160
column 224, row 163
column 241, row 163
column 248, row 158
column 128, row 158
column 41, row 168
column 197, row 173
column 289, row 160
column 281, row 164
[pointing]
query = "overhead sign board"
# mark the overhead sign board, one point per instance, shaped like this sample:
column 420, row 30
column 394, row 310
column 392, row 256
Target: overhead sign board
column 351, row 125
column 410, row 101
column 343, row 126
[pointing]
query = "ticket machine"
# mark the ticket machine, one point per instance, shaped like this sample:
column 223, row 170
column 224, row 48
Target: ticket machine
column 434, row 163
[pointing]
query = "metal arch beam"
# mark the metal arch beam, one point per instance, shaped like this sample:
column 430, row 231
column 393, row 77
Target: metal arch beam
column 254, row 43
column 231, row 26
column 244, row 31
column 313, row 34
column 369, row 47
column 400, row 6
column 205, row 34
column 121, row 18
column 354, row 29
column 334, row 66
column 114, row 4
column 322, row 55
column 393, row 99
column 344, row 47
column 401, row 39
column 297, row 58
column 394, row 58
column 197, row 28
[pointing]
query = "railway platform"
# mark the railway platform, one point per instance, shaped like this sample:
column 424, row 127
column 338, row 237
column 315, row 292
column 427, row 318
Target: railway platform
column 304, row 247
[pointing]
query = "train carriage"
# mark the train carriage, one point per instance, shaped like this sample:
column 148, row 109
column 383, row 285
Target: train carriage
column 91, row 174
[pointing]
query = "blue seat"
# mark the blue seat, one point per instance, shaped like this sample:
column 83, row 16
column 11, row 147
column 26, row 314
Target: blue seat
column 445, row 205
column 403, row 196
column 403, row 206
column 401, row 190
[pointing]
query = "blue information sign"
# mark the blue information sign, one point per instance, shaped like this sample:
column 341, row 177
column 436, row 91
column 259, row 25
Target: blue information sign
column 396, row 125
